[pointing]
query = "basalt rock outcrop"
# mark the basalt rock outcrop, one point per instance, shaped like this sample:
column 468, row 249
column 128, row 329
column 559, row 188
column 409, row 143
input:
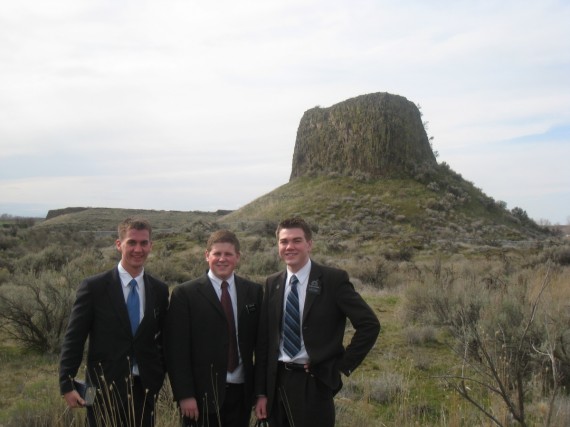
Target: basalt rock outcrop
column 377, row 135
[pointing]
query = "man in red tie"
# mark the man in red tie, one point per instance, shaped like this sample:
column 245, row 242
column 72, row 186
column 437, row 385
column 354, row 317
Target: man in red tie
column 211, row 333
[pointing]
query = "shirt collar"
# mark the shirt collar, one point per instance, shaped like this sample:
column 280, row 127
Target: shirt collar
column 302, row 274
column 126, row 276
column 217, row 282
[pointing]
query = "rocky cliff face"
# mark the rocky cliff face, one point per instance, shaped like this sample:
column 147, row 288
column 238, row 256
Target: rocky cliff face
column 377, row 134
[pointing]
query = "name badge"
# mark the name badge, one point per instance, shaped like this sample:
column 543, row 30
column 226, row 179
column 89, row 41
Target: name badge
column 314, row 287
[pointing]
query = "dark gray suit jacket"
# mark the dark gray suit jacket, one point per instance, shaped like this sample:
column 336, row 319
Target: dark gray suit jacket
column 197, row 340
column 330, row 299
column 100, row 313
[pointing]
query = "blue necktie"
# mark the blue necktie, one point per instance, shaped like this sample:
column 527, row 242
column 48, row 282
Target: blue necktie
column 134, row 306
column 292, row 323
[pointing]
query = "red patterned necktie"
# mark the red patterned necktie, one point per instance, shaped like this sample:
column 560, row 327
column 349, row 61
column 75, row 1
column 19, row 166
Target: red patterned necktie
column 233, row 359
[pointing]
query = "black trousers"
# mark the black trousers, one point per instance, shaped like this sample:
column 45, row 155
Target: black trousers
column 235, row 411
column 301, row 400
column 112, row 410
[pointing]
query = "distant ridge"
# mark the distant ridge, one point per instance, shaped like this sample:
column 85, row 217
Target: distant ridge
column 52, row 213
column 105, row 219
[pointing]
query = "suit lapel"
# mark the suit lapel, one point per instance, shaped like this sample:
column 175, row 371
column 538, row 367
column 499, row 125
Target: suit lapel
column 277, row 296
column 241, row 292
column 206, row 288
column 314, row 276
column 148, row 302
column 115, row 289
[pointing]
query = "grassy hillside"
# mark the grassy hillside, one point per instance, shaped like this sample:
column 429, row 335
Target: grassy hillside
column 405, row 380
column 399, row 214
column 436, row 259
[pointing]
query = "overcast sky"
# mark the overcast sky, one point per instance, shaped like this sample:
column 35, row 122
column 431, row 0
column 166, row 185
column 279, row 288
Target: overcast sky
column 194, row 105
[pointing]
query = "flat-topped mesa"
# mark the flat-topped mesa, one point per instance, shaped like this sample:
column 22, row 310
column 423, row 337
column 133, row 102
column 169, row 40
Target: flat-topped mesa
column 379, row 134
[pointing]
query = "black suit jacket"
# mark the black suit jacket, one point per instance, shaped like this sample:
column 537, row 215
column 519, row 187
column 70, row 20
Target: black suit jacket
column 197, row 340
column 330, row 299
column 100, row 313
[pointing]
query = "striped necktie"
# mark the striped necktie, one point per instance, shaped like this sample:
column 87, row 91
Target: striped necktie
column 292, row 323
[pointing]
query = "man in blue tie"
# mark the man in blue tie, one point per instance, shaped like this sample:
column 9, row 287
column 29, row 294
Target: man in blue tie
column 121, row 311
column 300, row 351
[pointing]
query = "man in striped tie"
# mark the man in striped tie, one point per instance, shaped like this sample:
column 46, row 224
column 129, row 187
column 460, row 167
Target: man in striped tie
column 300, row 346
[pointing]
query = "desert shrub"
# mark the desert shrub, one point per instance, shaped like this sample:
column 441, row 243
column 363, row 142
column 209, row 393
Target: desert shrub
column 361, row 176
column 501, row 341
column 422, row 361
column 386, row 388
column 501, row 204
column 35, row 314
column 262, row 228
column 35, row 307
column 4, row 275
column 7, row 241
column 417, row 307
column 335, row 245
column 488, row 202
column 252, row 244
column 50, row 258
column 173, row 270
column 420, row 335
column 372, row 271
column 520, row 214
column 199, row 231
column 88, row 263
column 433, row 186
column 560, row 255
column 401, row 254
column 352, row 389
column 259, row 264
column 427, row 280
column 193, row 264
column 377, row 390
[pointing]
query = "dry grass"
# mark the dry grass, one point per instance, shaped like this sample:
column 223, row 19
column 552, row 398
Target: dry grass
column 393, row 261
column 397, row 385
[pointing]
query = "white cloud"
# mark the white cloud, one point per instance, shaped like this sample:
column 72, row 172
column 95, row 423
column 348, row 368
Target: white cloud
column 173, row 86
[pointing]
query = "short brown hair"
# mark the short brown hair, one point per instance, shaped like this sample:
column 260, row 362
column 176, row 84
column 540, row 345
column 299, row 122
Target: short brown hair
column 295, row 222
column 223, row 236
column 133, row 224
